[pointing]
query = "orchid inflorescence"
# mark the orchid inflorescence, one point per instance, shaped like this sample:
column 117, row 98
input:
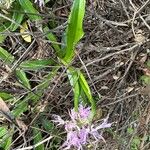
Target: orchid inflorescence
column 80, row 132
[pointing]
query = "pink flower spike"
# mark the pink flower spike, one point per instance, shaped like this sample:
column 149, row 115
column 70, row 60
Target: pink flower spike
column 70, row 126
column 73, row 114
column 72, row 141
column 84, row 112
column 83, row 135
column 81, row 132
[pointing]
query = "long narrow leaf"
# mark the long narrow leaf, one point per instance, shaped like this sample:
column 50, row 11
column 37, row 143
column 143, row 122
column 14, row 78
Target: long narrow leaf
column 87, row 91
column 5, row 95
column 23, row 78
column 34, row 96
column 2, row 37
column 32, row 13
column 38, row 138
column 47, row 79
column 74, row 30
column 5, row 56
column 3, row 28
column 73, row 78
column 36, row 64
column 51, row 37
column 20, row 108
column 5, row 137
column 17, row 16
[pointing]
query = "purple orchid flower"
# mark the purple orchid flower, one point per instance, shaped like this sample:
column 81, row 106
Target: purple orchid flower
column 79, row 131
column 84, row 112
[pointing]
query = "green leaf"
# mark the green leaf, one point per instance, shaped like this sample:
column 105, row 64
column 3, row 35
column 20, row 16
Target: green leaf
column 2, row 38
column 74, row 30
column 51, row 37
column 20, row 108
column 73, row 78
column 84, row 85
column 5, row 95
column 145, row 79
column 34, row 96
column 48, row 125
column 3, row 131
column 148, row 63
column 30, row 10
column 5, row 56
column 17, row 17
column 21, row 75
column 130, row 130
column 47, row 79
column 7, row 144
column 37, row 138
column 136, row 141
column 3, row 28
column 36, row 64
column 5, row 138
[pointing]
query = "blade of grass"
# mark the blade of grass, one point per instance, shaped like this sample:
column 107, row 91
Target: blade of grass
column 33, row 15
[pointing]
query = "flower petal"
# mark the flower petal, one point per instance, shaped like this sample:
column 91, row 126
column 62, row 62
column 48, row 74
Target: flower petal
column 58, row 119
